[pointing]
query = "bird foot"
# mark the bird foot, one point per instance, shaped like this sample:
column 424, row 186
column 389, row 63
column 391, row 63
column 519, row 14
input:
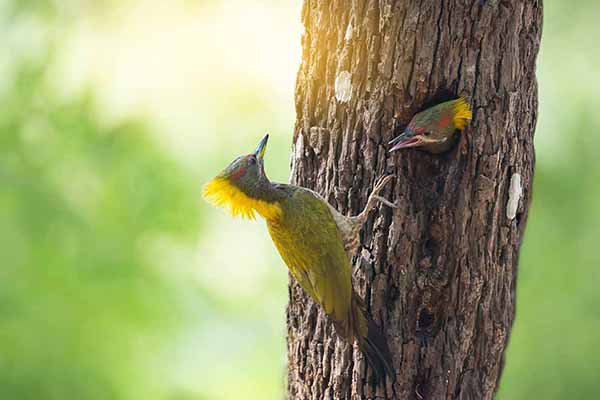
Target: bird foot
column 374, row 198
column 379, row 185
column 350, row 226
column 385, row 201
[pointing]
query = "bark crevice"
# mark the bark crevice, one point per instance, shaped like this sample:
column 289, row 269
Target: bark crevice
column 438, row 274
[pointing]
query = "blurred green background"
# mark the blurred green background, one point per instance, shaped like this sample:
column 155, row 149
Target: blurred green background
column 118, row 282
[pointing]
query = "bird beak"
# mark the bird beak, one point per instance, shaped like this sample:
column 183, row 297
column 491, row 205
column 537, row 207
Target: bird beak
column 262, row 146
column 405, row 140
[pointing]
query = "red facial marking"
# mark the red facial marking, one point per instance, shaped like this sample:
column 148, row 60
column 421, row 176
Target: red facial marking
column 238, row 174
column 444, row 121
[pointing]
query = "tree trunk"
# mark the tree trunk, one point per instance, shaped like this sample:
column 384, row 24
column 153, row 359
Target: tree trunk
column 438, row 273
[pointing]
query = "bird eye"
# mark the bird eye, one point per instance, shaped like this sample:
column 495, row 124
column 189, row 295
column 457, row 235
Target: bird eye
column 427, row 133
column 252, row 160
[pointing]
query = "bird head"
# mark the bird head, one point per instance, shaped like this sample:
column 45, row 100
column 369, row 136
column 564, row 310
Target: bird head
column 242, row 186
column 434, row 129
column 247, row 171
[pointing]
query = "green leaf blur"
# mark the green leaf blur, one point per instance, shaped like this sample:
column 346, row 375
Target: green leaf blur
column 82, row 306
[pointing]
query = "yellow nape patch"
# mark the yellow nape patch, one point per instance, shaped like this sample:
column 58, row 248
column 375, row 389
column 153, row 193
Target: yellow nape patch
column 221, row 193
column 462, row 113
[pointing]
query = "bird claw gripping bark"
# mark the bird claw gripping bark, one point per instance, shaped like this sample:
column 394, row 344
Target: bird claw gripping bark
column 385, row 201
column 374, row 197
column 350, row 226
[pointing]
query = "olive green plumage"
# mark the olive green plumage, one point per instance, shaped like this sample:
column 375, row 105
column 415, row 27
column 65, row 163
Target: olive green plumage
column 314, row 240
column 311, row 245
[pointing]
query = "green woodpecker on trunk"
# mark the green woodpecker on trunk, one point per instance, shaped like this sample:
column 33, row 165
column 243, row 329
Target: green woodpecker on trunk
column 314, row 240
column 434, row 130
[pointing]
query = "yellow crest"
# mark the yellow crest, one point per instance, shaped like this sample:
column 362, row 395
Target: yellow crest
column 221, row 193
column 462, row 113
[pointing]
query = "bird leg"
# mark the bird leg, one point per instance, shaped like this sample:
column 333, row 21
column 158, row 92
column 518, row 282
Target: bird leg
column 349, row 227
column 374, row 198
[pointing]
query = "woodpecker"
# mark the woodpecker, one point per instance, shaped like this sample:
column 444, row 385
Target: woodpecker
column 314, row 240
column 434, row 130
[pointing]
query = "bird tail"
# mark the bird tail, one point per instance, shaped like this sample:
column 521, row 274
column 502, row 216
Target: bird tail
column 370, row 340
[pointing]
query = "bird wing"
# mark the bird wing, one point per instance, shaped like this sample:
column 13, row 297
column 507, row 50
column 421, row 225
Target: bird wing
column 311, row 245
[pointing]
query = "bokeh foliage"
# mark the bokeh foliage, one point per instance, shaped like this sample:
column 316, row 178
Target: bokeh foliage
column 95, row 212
column 83, row 307
column 81, row 301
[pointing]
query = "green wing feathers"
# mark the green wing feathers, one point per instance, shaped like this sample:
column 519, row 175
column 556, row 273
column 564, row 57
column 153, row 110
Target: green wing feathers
column 311, row 245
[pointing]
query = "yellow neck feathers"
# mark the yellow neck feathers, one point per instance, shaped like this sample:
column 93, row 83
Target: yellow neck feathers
column 220, row 192
column 462, row 114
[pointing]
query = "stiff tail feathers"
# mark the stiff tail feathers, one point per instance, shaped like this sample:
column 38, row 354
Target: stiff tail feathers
column 371, row 341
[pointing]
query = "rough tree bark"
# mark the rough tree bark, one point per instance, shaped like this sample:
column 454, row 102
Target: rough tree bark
column 438, row 273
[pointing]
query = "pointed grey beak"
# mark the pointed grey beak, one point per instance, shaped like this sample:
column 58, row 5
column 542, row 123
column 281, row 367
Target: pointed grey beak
column 406, row 139
column 262, row 146
column 403, row 136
